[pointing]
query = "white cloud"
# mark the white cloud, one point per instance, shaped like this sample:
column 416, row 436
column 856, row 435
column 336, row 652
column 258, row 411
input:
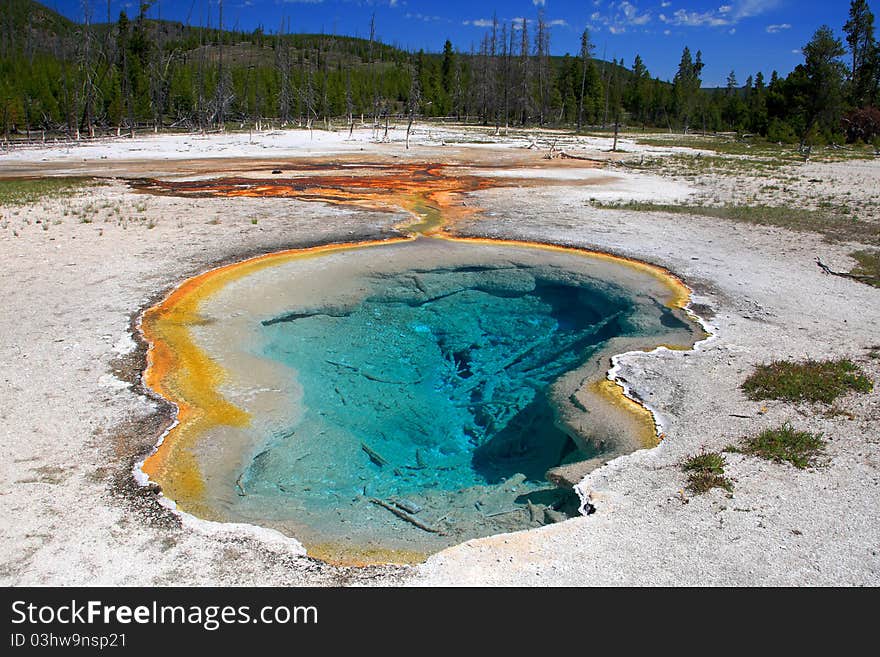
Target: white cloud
column 665, row 4
column 732, row 30
column 426, row 18
column 515, row 22
column 797, row 51
column 729, row 14
column 695, row 18
column 539, row 3
column 773, row 29
column 667, row 32
column 749, row 8
column 632, row 15
column 479, row 22
column 621, row 15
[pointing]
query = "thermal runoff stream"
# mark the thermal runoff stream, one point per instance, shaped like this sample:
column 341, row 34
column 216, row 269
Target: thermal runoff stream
column 381, row 401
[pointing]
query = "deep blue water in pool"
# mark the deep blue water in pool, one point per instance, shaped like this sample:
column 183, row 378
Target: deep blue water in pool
column 436, row 381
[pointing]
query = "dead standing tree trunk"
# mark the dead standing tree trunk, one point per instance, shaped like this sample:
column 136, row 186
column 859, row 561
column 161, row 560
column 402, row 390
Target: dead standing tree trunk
column 415, row 99
column 349, row 104
column 87, row 72
column 221, row 96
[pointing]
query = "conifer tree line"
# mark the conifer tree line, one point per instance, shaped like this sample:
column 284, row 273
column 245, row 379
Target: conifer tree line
column 128, row 73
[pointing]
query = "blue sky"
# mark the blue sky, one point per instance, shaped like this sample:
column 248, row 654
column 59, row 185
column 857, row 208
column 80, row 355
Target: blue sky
column 740, row 35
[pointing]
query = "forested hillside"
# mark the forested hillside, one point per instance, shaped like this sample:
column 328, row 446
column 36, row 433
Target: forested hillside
column 132, row 72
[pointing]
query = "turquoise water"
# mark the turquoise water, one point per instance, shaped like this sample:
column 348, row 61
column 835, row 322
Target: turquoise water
column 443, row 376
column 434, row 389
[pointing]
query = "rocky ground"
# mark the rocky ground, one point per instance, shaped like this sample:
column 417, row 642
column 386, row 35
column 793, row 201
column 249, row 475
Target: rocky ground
column 78, row 270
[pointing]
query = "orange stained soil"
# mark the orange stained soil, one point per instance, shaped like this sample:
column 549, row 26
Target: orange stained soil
column 432, row 193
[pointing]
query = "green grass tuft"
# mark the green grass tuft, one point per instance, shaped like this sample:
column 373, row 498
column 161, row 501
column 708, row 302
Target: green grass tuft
column 810, row 381
column 705, row 471
column 868, row 267
column 831, row 221
column 24, row 191
column 800, row 448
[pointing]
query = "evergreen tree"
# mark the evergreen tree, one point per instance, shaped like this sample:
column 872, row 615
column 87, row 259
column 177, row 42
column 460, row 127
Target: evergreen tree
column 686, row 85
column 136, row 71
column 758, row 117
column 859, row 30
column 447, row 76
column 822, row 84
column 734, row 107
column 638, row 99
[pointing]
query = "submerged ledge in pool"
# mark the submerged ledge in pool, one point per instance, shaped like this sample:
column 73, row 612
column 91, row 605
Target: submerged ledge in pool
column 382, row 402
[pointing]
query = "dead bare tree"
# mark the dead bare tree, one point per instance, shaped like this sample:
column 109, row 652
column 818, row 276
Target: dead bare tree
column 379, row 108
column 221, row 97
column 413, row 101
column 506, row 52
column 88, row 74
column 199, row 82
column 349, row 103
column 122, row 37
column 283, row 66
column 542, row 64
column 323, row 60
column 493, row 105
column 66, row 96
column 161, row 71
column 307, row 94
column 525, row 80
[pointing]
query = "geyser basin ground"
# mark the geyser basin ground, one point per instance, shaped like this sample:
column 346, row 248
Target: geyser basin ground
column 381, row 402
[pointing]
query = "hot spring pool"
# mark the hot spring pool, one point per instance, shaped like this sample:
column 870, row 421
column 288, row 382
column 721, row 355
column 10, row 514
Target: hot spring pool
column 386, row 401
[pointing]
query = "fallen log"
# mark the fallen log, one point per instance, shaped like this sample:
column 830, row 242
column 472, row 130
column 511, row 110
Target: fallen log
column 407, row 505
column 503, row 512
column 375, row 456
column 403, row 515
column 568, row 156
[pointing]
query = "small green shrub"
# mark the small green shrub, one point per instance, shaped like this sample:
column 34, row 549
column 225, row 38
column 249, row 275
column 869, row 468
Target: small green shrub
column 705, row 471
column 811, row 381
column 779, row 131
column 800, row 448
